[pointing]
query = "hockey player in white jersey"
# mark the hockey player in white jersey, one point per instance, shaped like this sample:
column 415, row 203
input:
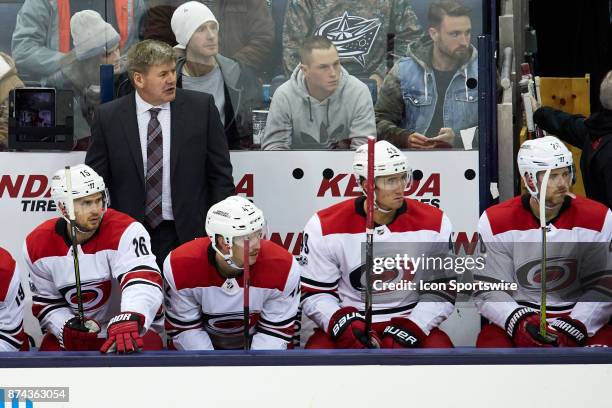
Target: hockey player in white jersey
column 578, row 277
column 332, row 280
column 113, row 249
column 205, row 284
column 12, row 335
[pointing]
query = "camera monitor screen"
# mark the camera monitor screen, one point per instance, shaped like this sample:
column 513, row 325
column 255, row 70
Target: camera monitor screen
column 35, row 108
column 41, row 118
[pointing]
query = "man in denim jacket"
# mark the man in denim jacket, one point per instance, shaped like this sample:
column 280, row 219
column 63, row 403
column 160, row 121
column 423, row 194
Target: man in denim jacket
column 409, row 111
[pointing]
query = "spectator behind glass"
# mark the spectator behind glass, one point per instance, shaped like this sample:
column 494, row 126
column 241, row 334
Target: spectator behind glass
column 203, row 69
column 431, row 95
column 359, row 29
column 593, row 135
column 95, row 43
column 8, row 81
column 246, row 32
column 321, row 106
column 42, row 31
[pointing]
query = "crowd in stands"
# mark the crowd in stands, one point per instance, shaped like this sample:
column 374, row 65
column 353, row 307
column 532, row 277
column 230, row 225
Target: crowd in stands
column 348, row 69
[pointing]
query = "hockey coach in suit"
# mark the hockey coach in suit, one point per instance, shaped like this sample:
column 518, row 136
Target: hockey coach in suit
column 161, row 151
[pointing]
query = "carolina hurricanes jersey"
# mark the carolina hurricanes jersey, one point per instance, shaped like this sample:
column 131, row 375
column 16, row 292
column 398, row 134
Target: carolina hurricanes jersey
column 332, row 265
column 12, row 296
column 119, row 251
column 205, row 311
column 579, row 279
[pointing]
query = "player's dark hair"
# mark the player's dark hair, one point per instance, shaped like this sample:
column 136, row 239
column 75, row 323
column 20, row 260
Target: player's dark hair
column 313, row 43
column 441, row 8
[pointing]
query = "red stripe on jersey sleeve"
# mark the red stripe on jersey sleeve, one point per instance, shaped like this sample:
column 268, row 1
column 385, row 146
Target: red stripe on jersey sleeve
column 173, row 329
column 307, row 291
column 141, row 275
column 418, row 217
column 285, row 333
column 7, row 269
column 37, row 308
column 41, row 308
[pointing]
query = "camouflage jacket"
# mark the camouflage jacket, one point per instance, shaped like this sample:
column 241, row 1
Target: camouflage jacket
column 359, row 29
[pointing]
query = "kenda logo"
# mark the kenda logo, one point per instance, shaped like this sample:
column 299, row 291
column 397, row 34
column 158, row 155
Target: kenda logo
column 25, row 186
column 345, row 185
column 33, row 189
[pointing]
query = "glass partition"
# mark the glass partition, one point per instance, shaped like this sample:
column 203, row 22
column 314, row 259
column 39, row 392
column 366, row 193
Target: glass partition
column 405, row 71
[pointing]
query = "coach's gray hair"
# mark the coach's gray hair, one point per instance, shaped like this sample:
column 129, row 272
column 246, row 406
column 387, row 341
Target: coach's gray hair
column 605, row 91
column 147, row 53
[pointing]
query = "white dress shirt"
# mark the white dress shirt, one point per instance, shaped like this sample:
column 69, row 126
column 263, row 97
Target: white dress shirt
column 143, row 115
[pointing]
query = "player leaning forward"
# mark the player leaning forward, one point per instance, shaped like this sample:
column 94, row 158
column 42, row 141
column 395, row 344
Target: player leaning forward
column 111, row 247
column 205, row 284
column 332, row 279
column 578, row 233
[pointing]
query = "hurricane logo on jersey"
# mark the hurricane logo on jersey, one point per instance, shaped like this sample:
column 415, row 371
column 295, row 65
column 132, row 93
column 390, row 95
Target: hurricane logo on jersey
column 353, row 36
column 561, row 273
column 93, row 294
column 228, row 323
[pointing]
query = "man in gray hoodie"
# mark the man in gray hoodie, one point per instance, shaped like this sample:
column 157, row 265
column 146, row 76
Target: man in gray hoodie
column 322, row 106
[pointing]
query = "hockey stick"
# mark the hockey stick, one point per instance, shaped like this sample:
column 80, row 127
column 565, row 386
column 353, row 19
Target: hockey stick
column 369, row 261
column 75, row 251
column 247, row 287
column 546, row 336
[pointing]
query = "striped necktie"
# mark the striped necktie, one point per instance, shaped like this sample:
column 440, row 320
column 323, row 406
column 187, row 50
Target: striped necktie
column 155, row 171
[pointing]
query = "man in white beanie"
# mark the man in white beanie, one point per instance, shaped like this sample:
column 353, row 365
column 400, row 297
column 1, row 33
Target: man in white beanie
column 246, row 29
column 203, row 69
